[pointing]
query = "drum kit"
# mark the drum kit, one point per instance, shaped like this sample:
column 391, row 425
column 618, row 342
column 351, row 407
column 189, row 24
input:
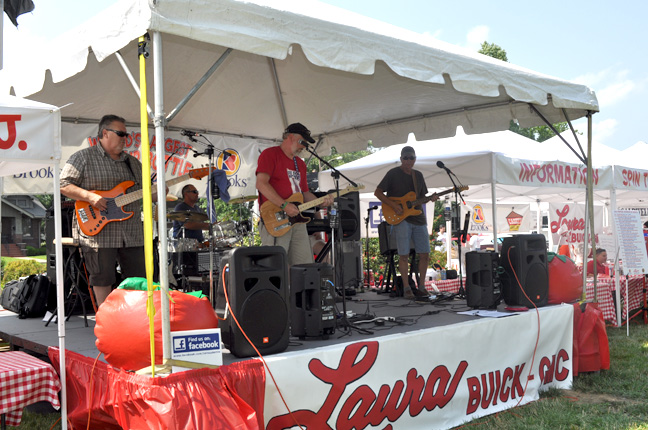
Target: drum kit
column 190, row 260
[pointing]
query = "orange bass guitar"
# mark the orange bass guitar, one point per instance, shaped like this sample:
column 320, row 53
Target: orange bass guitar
column 91, row 220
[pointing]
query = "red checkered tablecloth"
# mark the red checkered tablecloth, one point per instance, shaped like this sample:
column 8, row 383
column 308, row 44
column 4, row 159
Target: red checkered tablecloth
column 25, row 380
column 448, row 285
column 605, row 295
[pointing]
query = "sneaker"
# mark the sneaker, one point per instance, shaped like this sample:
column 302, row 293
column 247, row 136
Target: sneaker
column 408, row 294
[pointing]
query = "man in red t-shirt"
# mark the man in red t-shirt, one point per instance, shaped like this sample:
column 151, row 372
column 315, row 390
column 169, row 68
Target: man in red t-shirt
column 281, row 173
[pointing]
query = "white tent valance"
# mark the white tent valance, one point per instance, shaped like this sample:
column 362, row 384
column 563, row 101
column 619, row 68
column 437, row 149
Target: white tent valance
column 349, row 79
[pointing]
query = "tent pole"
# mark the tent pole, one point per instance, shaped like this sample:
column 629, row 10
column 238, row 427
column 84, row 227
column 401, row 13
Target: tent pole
column 617, row 290
column 590, row 199
column 494, row 199
column 160, row 122
column 60, row 296
column 282, row 105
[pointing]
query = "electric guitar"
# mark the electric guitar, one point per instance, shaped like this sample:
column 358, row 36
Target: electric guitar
column 277, row 223
column 408, row 202
column 91, row 220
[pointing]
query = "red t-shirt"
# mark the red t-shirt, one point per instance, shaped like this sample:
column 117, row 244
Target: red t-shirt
column 600, row 269
column 284, row 178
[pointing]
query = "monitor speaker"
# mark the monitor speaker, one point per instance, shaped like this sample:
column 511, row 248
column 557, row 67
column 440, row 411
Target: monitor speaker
column 312, row 300
column 524, row 259
column 256, row 281
column 483, row 287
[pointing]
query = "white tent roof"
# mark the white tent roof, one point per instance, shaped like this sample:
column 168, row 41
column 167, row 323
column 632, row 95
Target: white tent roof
column 348, row 78
column 503, row 158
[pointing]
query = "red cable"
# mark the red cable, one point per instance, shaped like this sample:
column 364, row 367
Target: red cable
column 255, row 348
column 535, row 349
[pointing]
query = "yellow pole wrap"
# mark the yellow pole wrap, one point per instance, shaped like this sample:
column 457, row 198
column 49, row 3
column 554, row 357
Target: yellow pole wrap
column 148, row 201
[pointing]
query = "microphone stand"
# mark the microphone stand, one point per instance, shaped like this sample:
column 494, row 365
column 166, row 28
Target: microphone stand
column 366, row 220
column 336, row 231
column 209, row 152
column 457, row 195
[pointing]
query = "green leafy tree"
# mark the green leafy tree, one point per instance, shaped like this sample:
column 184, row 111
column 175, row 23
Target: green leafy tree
column 539, row 133
column 493, row 50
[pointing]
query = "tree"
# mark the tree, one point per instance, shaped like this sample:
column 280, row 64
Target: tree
column 493, row 50
column 538, row 133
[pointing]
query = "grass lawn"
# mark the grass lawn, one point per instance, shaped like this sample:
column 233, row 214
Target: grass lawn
column 611, row 399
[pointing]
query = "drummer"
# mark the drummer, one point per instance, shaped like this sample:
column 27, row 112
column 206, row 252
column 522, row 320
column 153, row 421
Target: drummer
column 189, row 229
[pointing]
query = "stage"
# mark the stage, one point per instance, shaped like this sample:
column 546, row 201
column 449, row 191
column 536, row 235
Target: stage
column 415, row 365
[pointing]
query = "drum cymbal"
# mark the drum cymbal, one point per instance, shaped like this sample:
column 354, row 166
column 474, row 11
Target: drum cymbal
column 184, row 216
column 243, row 199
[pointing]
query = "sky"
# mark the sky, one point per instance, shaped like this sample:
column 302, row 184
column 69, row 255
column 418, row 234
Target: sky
column 592, row 42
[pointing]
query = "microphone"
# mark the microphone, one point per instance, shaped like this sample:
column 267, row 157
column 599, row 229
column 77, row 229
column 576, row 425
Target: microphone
column 372, row 208
column 304, row 143
column 441, row 165
column 189, row 133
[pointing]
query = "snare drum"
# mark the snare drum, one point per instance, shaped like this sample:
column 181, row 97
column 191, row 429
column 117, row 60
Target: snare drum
column 225, row 233
column 182, row 245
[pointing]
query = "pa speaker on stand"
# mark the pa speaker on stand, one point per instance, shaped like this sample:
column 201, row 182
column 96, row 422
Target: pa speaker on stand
column 524, row 259
column 256, row 281
column 312, row 300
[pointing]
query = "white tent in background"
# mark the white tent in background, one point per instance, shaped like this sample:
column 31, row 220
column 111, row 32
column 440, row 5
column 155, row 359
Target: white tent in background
column 30, row 137
column 249, row 68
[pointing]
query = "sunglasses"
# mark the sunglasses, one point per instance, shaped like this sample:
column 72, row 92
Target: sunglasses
column 118, row 132
column 409, row 157
column 193, row 191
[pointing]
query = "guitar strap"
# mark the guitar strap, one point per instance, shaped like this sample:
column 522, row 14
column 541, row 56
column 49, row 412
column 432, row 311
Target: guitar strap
column 415, row 183
column 131, row 170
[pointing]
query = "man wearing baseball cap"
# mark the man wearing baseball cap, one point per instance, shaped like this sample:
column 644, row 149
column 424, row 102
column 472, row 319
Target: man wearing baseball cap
column 280, row 174
column 413, row 229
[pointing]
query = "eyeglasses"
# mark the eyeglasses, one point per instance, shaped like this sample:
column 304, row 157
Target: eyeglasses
column 118, row 132
column 409, row 157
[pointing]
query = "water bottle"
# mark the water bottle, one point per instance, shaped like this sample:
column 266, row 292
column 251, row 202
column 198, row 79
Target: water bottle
column 443, row 274
column 447, row 214
column 333, row 216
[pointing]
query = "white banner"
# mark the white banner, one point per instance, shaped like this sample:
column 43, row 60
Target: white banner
column 567, row 223
column 414, row 382
column 626, row 178
column 510, row 218
column 238, row 157
column 549, row 173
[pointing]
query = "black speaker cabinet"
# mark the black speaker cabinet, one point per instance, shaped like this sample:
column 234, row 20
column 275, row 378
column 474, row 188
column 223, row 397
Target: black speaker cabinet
column 483, row 287
column 352, row 263
column 256, row 281
column 386, row 240
column 312, row 300
column 349, row 210
column 525, row 255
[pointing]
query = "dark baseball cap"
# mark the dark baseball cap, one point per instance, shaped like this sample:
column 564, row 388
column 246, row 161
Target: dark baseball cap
column 299, row 128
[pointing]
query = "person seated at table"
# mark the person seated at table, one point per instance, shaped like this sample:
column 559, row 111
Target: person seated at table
column 601, row 269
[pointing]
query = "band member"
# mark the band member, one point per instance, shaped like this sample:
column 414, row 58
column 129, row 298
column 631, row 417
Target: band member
column 396, row 183
column 281, row 173
column 102, row 167
column 192, row 229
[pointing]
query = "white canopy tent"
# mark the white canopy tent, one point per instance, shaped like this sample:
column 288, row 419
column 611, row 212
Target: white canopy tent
column 248, row 69
column 30, row 136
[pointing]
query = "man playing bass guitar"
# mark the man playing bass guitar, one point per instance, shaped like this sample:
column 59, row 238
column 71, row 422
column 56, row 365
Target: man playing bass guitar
column 103, row 167
column 398, row 182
